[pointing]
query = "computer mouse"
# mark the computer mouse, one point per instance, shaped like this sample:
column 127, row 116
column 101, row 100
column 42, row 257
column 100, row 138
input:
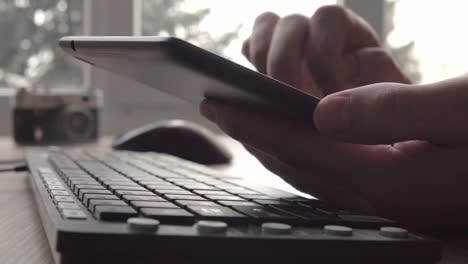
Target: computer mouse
column 180, row 138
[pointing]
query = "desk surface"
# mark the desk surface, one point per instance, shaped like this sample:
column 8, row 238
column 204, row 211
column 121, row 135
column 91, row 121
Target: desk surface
column 22, row 239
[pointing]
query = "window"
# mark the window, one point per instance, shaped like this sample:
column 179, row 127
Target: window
column 219, row 26
column 431, row 36
column 29, row 54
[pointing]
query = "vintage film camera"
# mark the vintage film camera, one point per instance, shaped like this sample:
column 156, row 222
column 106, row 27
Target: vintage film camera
column 55, row 118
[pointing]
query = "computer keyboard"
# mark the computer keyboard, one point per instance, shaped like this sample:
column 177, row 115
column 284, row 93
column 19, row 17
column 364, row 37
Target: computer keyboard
column 128, row 207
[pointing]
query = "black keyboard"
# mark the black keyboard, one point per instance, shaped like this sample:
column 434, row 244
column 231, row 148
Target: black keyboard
column 128, row 207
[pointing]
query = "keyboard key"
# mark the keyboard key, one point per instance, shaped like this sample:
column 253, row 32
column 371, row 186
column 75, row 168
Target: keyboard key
column 192, row 202
column 63, row 199
column 199, row 187
column 127, row 188
column 231, row 188
column 270, row 201
column 310, row 215
column 53, row 182
column 114, row 213
column 276, row 228
column 266, row 214
column 211, row 227
column 141, row 224
column 224, row 197
column 169, row 215
column 139, row 193
column 93, row 187
column 162, row 173
column 78, row 175
column 89, row 196
column 145, row 204
column 209, row 181
column 184, row 197
column 81, row 192
column 114, row 180
column 184, row 181
column 153, row 187
column 164, row 187
column 73, row 214
column 245, row 191
column 154, row 182
column 108, row 184
column 56, row 187
column 94, row 202
column 365, row 221
column 163, row 191
column 47, row 178
column 70, row 180
column 75, row 186
column 59, row 192
column 218, row 213
column 78, row 172
column 88, row 182
column 237, row 203
column 67, row 205
column 129, row 198
column 210, row 192
column 255, row 196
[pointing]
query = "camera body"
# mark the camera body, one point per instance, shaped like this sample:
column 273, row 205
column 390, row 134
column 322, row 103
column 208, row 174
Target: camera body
column 55, row 118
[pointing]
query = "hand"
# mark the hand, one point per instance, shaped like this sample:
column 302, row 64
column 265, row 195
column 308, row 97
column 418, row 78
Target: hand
column 332, row 51
column 420, row 181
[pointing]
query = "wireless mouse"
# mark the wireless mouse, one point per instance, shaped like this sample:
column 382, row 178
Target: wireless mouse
column 180, row 138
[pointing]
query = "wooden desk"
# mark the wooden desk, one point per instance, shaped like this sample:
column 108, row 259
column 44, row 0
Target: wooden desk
column 22, row 239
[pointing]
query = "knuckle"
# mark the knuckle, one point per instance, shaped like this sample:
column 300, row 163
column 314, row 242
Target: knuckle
column 295, row 19
column 266, row 17
column 275, row 71
column 276, row 64
column 384, row 57
column 258, row 55
column 332, row 12
column 391, row 70
column 280, row 70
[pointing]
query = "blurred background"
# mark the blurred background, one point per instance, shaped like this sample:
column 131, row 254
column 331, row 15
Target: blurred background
column 426, row 38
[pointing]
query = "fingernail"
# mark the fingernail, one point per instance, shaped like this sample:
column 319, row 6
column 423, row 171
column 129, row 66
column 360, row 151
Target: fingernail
column 208, row 111
column 332, row 115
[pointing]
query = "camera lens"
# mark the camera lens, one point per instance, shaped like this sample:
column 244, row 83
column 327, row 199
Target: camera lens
column 78, row 123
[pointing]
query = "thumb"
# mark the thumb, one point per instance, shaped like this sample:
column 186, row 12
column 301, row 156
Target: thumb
column 386, row 113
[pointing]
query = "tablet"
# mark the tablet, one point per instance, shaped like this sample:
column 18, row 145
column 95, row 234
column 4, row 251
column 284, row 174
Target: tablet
column 190, row 73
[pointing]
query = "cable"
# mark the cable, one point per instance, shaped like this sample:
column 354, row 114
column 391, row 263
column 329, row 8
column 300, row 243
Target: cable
column 18, row 168
column 12, row 162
